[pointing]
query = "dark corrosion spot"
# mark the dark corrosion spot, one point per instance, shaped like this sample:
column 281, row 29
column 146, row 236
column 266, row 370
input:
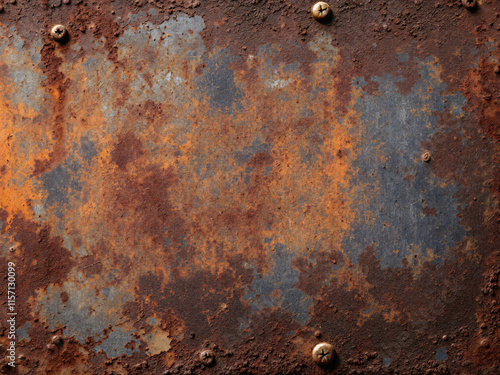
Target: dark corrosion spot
column 41, row 260
column 56, row 85
column 429, row 211
column 409, row 177
column 146, row 197
column 199, row 68
column 208, row 291
column 313, row 271
column 40, row 166
column 90, row 265
column 3, row 217
column 303, row 125
column 4, row 68
column 447, row 303
column 64, row 297
column 261, row 159
column 127, row 149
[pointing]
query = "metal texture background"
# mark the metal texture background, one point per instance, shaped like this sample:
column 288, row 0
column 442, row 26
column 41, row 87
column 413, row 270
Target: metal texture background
column 235, row 175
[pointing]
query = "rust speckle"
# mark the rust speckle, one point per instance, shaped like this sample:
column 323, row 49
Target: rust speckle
column 429, row 211
column 64, row 297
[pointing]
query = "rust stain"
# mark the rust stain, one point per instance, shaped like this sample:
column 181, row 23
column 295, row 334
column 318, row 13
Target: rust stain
column 241, row 178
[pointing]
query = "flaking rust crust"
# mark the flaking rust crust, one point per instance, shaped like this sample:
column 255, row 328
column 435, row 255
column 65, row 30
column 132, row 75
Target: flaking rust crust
column 236, row 176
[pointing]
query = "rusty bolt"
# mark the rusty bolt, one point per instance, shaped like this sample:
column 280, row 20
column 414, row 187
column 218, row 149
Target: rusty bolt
column 484, row 343
column 426, row 156
column 323, row 354
column 469, row 4
column 57, row 340
column 59, row 33
column 321, row 11
column 207, row 357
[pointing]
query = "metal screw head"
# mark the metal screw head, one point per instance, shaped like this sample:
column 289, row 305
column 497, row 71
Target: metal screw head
column 469, row 4
column 207, row 357
column 323, row 354
column 426, row 156
column 59, row 33
column 57, row 340
column 321, row 11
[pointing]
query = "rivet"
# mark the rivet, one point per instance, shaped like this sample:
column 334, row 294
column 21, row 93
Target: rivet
column 485, row 343
column 323, row 354
column 469, row 4
column 207, row 357
column 426, row 156
column 59, row 33
column 56, row 340
column 321, row 11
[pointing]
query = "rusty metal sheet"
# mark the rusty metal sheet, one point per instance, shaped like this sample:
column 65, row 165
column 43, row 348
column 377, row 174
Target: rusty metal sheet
column 198, row 186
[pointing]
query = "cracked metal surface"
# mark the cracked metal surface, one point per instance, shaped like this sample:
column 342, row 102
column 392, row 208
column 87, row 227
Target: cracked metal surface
column 189, row 175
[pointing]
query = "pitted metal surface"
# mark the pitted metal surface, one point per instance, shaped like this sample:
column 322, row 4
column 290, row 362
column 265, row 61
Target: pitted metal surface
column 238, row 179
